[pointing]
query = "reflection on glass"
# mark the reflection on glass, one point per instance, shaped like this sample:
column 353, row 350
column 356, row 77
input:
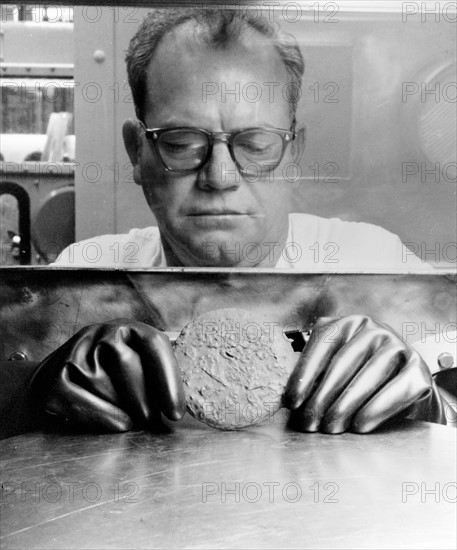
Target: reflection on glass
column 377, row 101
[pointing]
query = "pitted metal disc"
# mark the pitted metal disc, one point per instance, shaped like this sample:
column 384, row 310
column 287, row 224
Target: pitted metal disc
column 235, row 367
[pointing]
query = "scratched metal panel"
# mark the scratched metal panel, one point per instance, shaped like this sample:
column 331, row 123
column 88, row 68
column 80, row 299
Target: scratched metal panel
column 40, row 308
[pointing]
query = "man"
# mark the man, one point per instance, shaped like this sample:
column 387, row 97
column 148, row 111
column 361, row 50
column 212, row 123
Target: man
column 212, row 172
column 221, row 197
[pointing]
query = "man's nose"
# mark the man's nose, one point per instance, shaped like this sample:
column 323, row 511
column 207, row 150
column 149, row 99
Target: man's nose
column 220, row 172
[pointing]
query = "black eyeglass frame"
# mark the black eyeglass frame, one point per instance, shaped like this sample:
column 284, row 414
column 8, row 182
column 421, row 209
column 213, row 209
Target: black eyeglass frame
column 153, row 135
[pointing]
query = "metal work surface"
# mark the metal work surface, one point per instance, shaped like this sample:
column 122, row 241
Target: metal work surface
column 262, row 487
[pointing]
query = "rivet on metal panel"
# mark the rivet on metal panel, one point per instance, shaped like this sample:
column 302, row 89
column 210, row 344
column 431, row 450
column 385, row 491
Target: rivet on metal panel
column 18, row 356
column 445, row 360
column 99, row 56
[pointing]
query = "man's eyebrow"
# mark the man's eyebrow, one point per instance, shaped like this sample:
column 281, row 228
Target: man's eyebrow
column 174, row 122
column 178, row 122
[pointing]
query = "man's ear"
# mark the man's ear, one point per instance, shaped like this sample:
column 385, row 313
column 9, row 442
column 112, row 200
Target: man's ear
column 299, row 143
column 132, row 142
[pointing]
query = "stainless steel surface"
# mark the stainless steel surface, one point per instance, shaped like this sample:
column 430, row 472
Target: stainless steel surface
column 263, row 487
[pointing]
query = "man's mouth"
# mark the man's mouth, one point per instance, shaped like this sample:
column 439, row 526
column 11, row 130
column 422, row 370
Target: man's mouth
column 218, row 214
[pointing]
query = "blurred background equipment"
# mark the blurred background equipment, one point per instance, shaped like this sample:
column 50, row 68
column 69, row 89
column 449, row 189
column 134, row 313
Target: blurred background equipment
column 429, row 117
column 56, row 147
column 53, row 227
column 37, row 140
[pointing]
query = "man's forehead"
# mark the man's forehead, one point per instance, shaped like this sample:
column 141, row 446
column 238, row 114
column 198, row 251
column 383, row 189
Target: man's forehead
column 248, row 57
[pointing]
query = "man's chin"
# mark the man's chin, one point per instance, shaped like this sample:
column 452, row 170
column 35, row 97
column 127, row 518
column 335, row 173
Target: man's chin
column 229, row 253
column 203, row 243
column 238, row 241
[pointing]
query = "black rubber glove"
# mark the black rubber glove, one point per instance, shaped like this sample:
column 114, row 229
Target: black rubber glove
column 355, row 374
column 111, row 377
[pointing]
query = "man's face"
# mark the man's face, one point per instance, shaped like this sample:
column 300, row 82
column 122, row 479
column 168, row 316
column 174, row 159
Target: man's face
column 215, row 216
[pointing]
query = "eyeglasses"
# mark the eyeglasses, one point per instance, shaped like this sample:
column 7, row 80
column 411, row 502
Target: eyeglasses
column 186, row 149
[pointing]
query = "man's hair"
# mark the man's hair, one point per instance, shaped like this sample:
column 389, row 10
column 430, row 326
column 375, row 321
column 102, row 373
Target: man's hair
column 218, row 28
